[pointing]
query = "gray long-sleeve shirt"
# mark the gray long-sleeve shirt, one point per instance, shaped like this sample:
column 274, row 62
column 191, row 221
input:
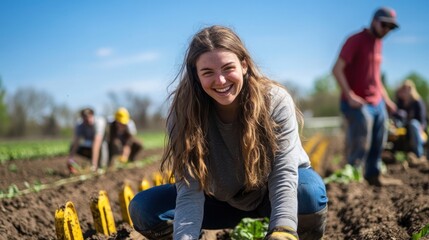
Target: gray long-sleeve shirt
column 225, row 165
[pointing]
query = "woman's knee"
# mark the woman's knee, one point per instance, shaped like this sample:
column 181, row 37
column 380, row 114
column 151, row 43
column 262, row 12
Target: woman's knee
column 138, row 211
column 312, row 195
column 148, row 207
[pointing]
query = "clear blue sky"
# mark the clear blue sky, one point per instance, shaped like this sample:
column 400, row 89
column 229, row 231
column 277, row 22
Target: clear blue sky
column 80, row 50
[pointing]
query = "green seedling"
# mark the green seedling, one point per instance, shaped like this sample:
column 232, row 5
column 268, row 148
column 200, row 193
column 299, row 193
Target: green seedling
column 422, row 233
column 11, row 192
column 37, row 186
column 250, row 228
column 346, row 175
column 336, row 159
column 13, row 168
column 49, row 171
column 400, row 157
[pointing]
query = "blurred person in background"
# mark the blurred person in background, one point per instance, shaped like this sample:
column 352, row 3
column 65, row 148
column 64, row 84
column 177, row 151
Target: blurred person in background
column 234, row 150
column 364, row 98
column 88, row 141
column 122, row 138
column 413, row 112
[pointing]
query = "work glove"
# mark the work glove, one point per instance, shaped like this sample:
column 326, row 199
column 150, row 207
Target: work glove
column 282, row 233
column 123, row 159
column 73, row 167
column 93, row 168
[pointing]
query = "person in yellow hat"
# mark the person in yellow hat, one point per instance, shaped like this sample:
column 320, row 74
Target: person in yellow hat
column 121, row 139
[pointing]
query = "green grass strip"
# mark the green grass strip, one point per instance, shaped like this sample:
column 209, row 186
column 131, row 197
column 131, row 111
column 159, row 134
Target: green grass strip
column 37, row 149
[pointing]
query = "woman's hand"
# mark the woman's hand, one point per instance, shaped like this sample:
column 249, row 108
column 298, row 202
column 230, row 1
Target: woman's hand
column 282, row 233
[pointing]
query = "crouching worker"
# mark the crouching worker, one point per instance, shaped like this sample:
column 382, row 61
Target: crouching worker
column 88, row 141
column 235, row 151
column 122, row 141
column 413, row 110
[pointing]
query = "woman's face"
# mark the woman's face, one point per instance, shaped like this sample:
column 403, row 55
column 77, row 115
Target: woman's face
column 221, row 75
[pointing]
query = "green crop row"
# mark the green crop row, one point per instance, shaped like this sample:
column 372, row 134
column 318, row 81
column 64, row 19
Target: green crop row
column 33, row 149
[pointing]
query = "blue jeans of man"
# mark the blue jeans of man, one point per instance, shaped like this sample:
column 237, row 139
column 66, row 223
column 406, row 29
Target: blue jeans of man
column 366, row 136
column 415, row 136
column 155, row 205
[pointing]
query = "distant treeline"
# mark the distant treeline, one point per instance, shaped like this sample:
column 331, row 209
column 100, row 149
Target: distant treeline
column 29, row 112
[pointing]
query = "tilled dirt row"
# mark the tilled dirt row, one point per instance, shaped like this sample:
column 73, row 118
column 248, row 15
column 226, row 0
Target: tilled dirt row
column 31, row 216
column 360, row 211
column 356, row 210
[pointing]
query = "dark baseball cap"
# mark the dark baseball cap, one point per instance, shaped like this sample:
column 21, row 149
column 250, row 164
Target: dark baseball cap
column 388, row 15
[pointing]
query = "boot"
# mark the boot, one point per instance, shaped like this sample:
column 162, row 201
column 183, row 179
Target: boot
column 414, row 161
column 163, row 231
column 380, row 181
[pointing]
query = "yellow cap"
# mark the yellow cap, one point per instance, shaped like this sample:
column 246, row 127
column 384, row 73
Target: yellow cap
column 122, row 115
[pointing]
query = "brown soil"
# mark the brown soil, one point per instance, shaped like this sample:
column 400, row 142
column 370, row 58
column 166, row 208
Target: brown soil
column 356, row 210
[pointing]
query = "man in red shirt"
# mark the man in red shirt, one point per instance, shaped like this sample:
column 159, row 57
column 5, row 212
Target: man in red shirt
column 364, row 98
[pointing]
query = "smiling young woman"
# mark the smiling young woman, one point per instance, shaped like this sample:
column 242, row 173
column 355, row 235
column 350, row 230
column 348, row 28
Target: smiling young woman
column 234, row 150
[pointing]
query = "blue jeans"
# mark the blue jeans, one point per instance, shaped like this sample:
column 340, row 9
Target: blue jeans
column 415, row 137
column 366, row 136
column 155, row 205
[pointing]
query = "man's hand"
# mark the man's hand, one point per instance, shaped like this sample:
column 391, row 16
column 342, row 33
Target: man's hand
column 282, row 233
column 391, row 106
column 355, row 101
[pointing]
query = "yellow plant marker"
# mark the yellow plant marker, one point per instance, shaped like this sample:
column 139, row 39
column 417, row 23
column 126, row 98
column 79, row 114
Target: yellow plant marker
column 400, row 132
column 102, row 214
column 67, row 224
column 125, row 197
column 144, row 185
column 157, row 179
column 311, row 144
column 318, row 155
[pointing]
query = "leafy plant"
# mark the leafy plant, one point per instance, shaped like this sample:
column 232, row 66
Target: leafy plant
column 422, row 233
column 250, row 228
column 11, row 192
column 336, row 159
column 400, row 156
column 13, row 168
column 36, row 187
column 345, row 175
column 50, row 171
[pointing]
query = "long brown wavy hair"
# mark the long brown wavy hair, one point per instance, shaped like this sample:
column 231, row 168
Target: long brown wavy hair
column 188, row 118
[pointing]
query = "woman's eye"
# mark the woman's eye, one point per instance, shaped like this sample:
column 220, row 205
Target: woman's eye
column 206, row 74
column 230, row 68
